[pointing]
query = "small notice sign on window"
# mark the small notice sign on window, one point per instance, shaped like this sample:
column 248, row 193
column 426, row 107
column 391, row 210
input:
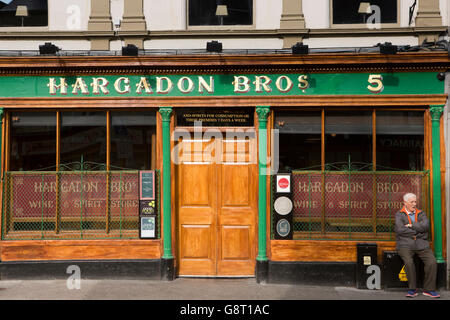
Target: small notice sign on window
column 147, row 185
column 148, row 227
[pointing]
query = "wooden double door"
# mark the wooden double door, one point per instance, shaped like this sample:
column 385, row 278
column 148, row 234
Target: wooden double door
column 216, row 201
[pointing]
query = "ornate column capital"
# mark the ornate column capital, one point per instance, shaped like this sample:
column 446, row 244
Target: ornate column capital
column 436, row 112
column 165, row 113
column 262, row 112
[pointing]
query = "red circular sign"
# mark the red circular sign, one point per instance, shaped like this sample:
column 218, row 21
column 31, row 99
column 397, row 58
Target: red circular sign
column 283, row 183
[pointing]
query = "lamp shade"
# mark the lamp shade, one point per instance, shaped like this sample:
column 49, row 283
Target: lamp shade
column 22, row 11
column 364, row 7
column 222, row 10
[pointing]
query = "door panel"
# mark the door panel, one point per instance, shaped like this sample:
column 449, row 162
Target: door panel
column 196, row 211
column 194, row 247
column 235, row 186
column 196, row 179
column 217, row 207
column 235, row 243
column 237, row 206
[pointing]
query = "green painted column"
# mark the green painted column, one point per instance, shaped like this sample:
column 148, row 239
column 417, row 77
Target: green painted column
column 2, row 174
column 167, row 214
column 436, row 112
column 1, row 137
column 263, row 113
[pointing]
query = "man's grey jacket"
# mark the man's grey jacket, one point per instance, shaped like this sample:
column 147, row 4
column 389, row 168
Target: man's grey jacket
column 416, row 237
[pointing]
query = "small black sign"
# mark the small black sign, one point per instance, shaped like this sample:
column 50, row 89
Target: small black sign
column 215, row 117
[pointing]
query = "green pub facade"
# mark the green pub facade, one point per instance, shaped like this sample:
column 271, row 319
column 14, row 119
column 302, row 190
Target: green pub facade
column 174, row 166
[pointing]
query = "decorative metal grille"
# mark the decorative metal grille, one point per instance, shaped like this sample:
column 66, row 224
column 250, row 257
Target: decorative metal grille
column 356, row 205
column 73, row 203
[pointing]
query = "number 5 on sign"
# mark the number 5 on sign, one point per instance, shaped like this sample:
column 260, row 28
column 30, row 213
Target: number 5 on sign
column 376, row 83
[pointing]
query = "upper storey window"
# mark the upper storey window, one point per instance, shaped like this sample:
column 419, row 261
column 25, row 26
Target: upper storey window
column 220, row 12
column 366, row 12
column 23, row 13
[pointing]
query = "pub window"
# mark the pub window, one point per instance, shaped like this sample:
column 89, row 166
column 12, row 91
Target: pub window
column 23, row 13
column 220, row 12
column 83, row 137
column 348, row 138
column 299, row 139
column 33, row 141
column 368, row 161
column 400, row 140
column 71, row 174
column 133, row 140
column 355, row 11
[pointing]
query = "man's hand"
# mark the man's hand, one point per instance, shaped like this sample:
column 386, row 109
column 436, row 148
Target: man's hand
column 408, row 225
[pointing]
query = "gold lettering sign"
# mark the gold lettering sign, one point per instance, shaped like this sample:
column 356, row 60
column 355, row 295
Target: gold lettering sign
column 166, row 85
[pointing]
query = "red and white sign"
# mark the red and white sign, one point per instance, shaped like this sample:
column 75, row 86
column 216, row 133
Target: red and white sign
column 284, row 183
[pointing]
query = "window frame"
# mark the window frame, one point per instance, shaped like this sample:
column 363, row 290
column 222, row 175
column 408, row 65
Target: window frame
column 7, row 134
column 222, row 27
column 373, row 110
column 9, row 141
column 30, row 28
column 361, row 25
column 323, row 225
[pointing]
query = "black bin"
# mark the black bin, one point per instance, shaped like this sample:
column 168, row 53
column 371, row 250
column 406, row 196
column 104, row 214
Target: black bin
column 392, row 266
column 366, row 255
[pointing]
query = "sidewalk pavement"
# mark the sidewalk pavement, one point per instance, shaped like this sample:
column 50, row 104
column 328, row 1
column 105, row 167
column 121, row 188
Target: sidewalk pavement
column 190, row 289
